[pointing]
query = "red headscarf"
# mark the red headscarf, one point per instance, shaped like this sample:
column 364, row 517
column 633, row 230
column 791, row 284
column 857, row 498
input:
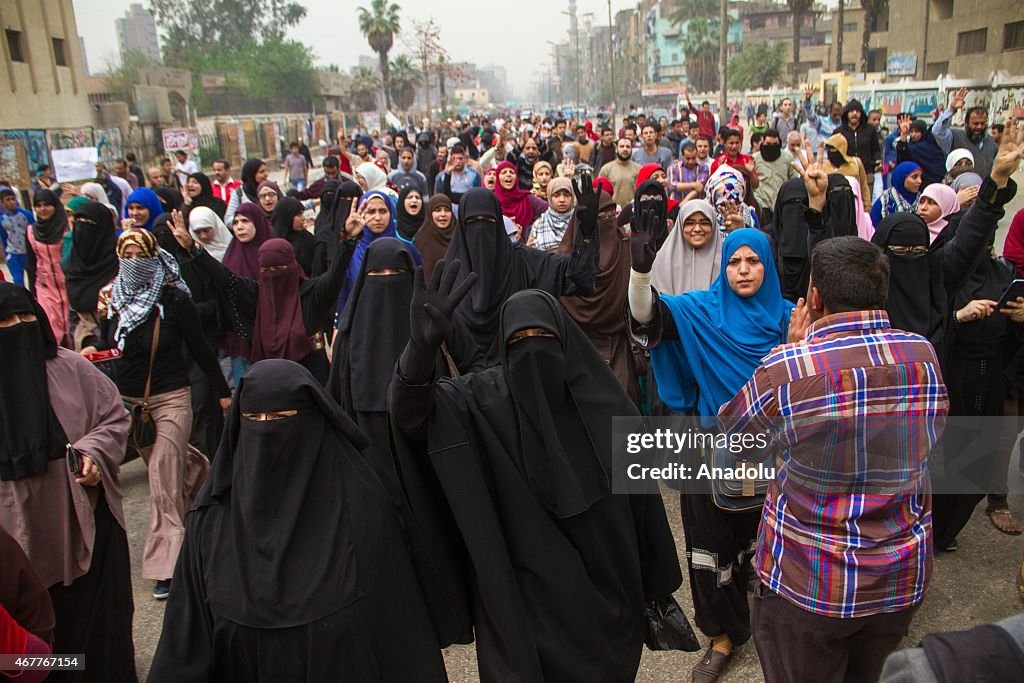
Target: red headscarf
column 590, row 132
column 279, row 331
column 646, row 171
column 515, row 203
column 1013, row 248
column 602, row 183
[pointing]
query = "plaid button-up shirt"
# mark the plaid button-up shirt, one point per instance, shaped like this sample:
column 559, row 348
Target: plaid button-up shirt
column 852, row 414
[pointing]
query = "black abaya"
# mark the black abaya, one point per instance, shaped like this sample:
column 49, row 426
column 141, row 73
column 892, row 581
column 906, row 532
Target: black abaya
column 482, row 245
column 556, row 577
column 294, row 565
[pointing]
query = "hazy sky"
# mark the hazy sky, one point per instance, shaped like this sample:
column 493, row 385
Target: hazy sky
column 516, row 37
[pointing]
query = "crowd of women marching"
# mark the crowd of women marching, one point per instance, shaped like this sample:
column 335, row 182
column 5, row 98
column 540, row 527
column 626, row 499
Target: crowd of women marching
column 376, row 412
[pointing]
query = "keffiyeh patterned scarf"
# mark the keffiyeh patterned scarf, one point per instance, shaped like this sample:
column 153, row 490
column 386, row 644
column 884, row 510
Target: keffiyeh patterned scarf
column 137, row 289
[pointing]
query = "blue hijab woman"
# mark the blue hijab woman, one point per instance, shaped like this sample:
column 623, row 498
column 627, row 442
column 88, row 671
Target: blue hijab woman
column 372, row 205
column 902, row 194
column 705, row 345
column 145, row 199
column 724, row 331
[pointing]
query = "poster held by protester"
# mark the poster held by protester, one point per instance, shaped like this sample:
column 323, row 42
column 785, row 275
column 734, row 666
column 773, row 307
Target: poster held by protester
column 78, row 163
column 186, row 139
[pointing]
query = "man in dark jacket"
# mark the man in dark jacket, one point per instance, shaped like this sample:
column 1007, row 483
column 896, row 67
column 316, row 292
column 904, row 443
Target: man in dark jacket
column 861, row 138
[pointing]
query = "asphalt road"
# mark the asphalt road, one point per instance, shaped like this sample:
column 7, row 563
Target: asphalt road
column 975, row 585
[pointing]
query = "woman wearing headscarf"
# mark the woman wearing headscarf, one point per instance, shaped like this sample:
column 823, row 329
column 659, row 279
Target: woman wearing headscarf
column 370, row 178
column 45, row 242
column 542, row 173
column 435, row 235
column 70, row 527
column 376, row 214
column 254, row 172
column 330, row 222
column 935, row 205
column 171, row 199
column 838, row 160
column 551, row 227
column 901, row 197
column 91, row 266
column 289, row 223
column 725, row 190
column 411, row 214
column 269, row 194
column 372, row 332
column 143, row 207
column 506, row 474
column 482, row 245
column 864, row 227
column 921, row 148
column 691, row 257
column 149, row 297
column 96, row 193
column 521, row 206
column 704, row 347
column 207, row 227
column 599, row 315
column 280, row 312
column 294, row 565
column 200, row 193
column 958, row 162
column 490, row 178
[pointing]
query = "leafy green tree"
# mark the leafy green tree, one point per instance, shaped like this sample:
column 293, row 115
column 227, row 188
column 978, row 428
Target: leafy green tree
column 872, row 8
column 365, row 86
column 380, row 25
column 405, row 77
column 121, row 78
column 757, row 66
column 700, row 45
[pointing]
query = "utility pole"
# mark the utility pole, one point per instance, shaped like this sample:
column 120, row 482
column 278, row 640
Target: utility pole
column 839, row 36
column 723, row 68
column 611, row 56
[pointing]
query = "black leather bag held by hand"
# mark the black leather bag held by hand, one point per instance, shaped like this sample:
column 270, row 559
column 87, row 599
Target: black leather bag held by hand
column 667, row 628
column 143, row 431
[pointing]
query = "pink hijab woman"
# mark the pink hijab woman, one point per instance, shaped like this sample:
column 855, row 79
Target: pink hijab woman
column 865, row 230
column 936, row 204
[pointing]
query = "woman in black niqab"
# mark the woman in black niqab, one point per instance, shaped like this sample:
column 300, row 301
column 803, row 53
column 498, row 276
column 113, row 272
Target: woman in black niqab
column 514, row 490
column 282, row 221
column 482, row 245
column 330, row 222
column 294, row 564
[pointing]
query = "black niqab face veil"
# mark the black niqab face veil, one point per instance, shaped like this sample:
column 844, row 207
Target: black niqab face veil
column 481, row 243
column 550, row 378
column 916, row 301
column 374, row 328
column 30, row 434
column 651, row 196
column 284, row 555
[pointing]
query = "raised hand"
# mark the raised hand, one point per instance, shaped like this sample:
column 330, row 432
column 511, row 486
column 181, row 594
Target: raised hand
column 355, row 222
column 643, row 241
column 1011, row 148
column 903, row 121
column 799, row 322
column 816, row 183
column 180, row 232
column 587, row 202
column 733, row 215
column 809, row 92
column 959, row 98
column 433, row 305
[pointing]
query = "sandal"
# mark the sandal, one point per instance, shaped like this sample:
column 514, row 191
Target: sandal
column 1003, row 520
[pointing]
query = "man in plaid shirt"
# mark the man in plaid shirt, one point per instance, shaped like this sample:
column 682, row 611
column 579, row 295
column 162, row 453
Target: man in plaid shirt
column 853, row 408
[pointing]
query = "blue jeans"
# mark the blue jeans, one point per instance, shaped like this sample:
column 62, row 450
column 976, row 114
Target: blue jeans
column 16, row 264
column 297, row 184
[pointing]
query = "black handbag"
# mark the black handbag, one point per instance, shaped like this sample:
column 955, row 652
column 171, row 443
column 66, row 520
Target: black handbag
column 143, row 432
column 735, row 495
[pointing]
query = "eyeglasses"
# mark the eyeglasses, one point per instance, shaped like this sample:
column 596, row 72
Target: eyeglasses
column 900, row 250
column 705, row 223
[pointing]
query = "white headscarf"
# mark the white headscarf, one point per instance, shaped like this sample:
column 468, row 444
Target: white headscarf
column 95, row 192
column 956, row 156
column 203, row 217
column 679, row 268
column 375, row 178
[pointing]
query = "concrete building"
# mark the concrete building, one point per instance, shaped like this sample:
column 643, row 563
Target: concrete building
column 772, row 22
column 43, row 81
column 473, row 96
column 85, row 58
column 136, row 32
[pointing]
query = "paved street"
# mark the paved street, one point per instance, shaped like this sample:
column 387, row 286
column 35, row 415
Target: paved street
column 971, row 586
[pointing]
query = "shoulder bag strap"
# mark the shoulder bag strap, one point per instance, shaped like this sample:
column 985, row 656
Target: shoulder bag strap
column 152, row 358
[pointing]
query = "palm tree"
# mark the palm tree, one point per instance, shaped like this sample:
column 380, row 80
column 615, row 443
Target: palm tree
column 798, row 8
column 405, row 77
column 365, row 86
column 872, row 8
column 840, row 19
column 700, row 39
column 700, row 45
column 380, row 25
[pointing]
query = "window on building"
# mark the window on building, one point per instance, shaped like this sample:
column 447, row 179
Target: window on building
column 14, row 46
column 880, row 22
column 850, row 27
column 1013, row 36
column 935, row 69
column 756, row 23
column 877, row 59
column 942, row 9
column 58, row 52
column 972, row 42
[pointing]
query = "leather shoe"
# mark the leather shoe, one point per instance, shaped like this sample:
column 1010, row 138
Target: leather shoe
column 710, row 666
